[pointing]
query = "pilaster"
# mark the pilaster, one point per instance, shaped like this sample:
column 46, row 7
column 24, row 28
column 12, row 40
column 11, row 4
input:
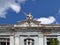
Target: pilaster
column 11, row 40
column 40, row 39
column 17, row 40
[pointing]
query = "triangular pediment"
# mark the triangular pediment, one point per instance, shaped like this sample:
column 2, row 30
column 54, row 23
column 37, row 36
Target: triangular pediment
column 27, row 24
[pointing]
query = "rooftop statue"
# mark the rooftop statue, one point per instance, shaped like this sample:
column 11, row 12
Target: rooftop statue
column 28, row 16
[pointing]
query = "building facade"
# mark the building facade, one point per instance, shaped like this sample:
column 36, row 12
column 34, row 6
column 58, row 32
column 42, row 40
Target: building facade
column 28, row 32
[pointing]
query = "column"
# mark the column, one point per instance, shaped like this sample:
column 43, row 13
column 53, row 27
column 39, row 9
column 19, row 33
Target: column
column 16, row 40
column 58, row 38
column 26, row 42
column 45, row 40
column 11, row 40
column 41, row 39
column 31, row 42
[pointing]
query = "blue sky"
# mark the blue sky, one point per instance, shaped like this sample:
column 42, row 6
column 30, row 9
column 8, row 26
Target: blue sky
column 46, row 11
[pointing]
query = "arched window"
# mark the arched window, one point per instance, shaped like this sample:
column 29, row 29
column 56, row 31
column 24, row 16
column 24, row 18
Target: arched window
column 29, row 41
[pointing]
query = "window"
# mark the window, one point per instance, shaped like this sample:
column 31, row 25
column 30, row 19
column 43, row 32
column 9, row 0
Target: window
column 29, row 41
column 52, row 40
column 4, row 41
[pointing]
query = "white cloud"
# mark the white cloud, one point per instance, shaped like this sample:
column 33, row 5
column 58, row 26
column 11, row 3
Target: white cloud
column 48, row 20
column 2, row 14
column 6, row 4
column 15, row 7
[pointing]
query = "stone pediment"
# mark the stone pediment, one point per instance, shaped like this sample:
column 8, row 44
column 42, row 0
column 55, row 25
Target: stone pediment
column 27, row 23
